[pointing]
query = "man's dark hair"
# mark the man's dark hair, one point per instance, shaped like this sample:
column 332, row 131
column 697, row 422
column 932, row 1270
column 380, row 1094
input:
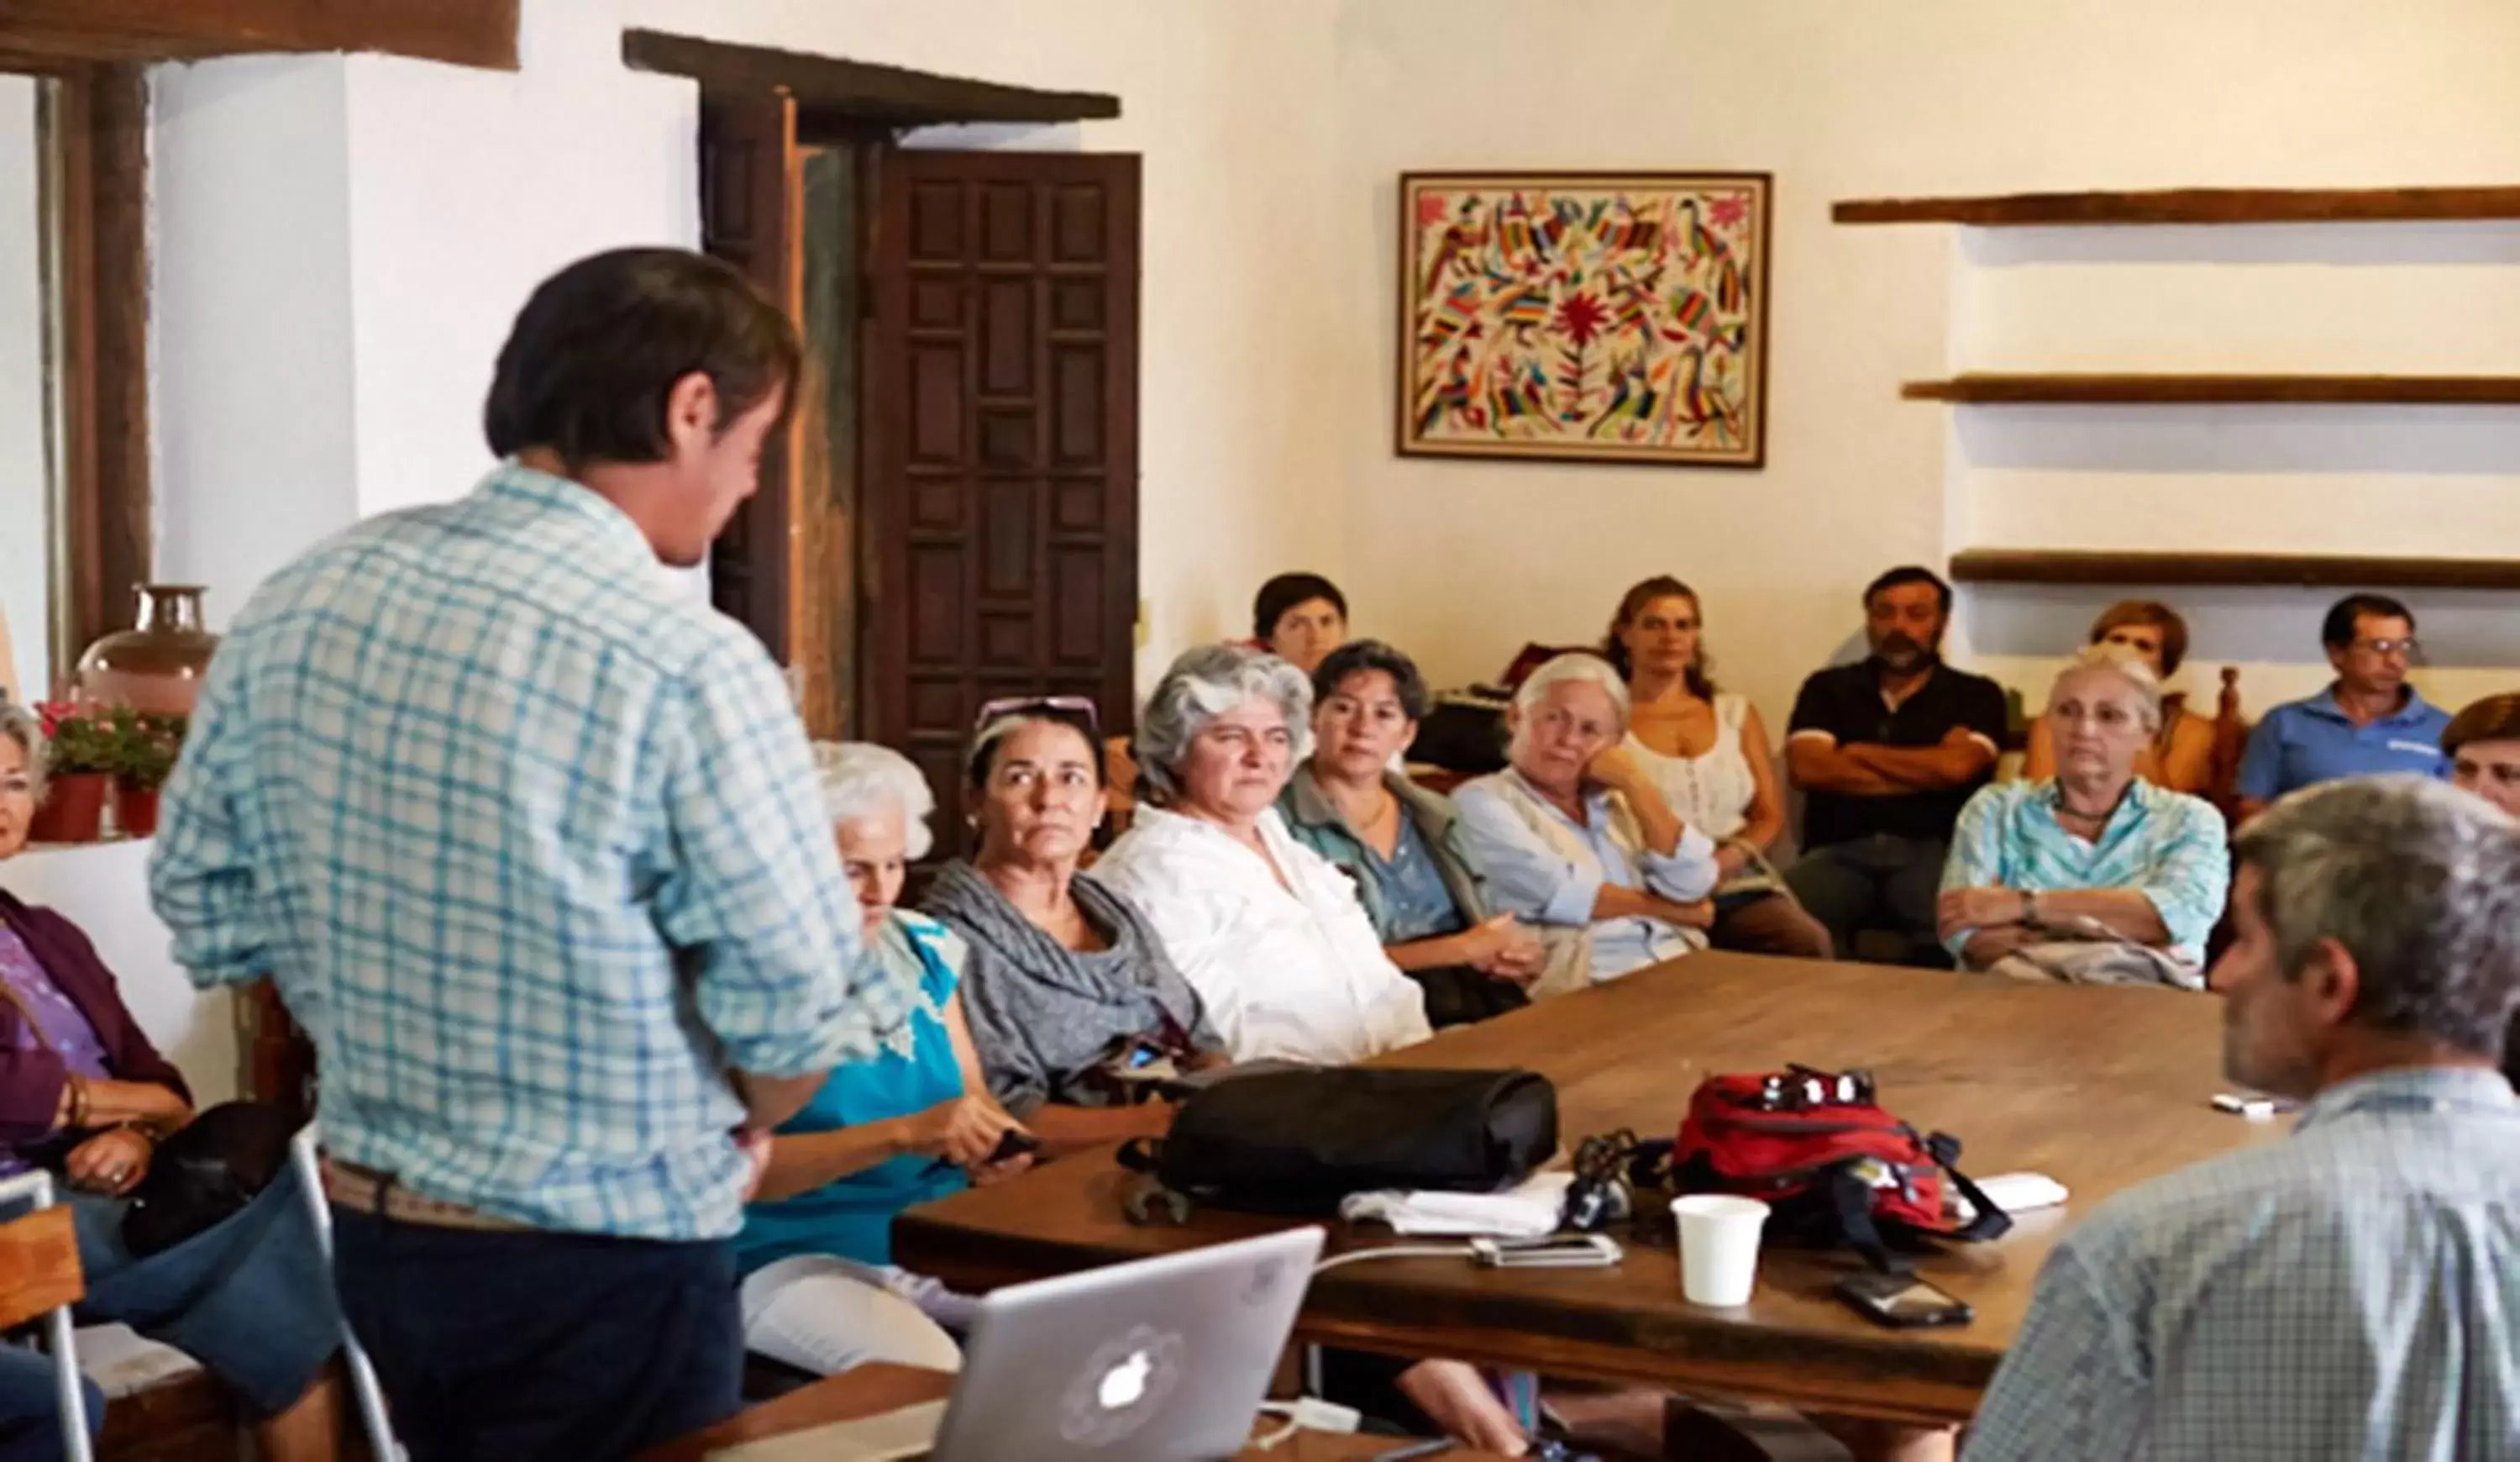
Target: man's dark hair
column 2347, row 612
column 1284, row 593
column 595, row 353
column 1358, row 657
column 1906, row 575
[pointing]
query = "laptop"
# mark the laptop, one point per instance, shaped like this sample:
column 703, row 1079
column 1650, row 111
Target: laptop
column 1164, row 1359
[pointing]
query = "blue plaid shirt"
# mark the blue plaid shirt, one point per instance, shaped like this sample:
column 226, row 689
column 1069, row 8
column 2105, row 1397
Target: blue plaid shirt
column 532, row 844
column 2352, row 1292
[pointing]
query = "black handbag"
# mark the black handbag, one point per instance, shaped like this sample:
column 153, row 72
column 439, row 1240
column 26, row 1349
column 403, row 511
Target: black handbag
column 206, row 1172
column 1299, row 1141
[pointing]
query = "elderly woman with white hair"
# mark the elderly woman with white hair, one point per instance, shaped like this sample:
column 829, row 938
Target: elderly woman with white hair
column 2095, row 875
column 1577, row 838
column 911, row 1123
column 1267, row 931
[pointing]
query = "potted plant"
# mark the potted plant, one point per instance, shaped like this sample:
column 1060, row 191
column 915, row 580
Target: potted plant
column 144, row 745
column 82, row 766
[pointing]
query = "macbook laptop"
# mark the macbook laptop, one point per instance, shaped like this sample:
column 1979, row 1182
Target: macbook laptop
column 1164, row 1359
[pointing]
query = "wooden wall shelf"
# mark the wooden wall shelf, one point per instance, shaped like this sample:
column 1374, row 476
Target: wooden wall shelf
column 2046, row 389
column 2192, row 206
column 2027, row 566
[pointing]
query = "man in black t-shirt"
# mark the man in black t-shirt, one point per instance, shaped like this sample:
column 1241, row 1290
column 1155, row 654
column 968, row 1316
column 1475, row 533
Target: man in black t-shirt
column 1885, row 750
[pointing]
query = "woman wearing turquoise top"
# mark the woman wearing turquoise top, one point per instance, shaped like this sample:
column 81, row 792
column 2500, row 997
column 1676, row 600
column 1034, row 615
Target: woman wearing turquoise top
column 913, row 1122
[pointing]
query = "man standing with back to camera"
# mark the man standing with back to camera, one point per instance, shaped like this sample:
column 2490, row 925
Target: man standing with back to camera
column 531, row 843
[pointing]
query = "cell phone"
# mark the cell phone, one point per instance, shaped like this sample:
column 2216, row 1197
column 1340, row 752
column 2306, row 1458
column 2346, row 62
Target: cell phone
column 1902, row 1301
column 1557, row 1252
column 1013, row 1144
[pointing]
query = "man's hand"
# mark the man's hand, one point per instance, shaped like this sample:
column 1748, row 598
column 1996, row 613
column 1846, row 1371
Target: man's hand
column 755, row 1147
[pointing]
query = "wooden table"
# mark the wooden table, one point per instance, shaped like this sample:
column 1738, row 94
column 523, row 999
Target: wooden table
column 2099, row 1088
column 871, row 1390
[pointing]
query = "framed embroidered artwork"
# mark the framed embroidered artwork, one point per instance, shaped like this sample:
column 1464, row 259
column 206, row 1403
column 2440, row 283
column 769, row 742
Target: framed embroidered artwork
column 1585, row 317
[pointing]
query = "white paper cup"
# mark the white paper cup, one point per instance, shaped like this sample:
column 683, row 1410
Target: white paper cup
column 1719, row 1246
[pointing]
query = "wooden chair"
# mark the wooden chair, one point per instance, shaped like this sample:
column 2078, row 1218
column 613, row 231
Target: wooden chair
column 40, row 1278
column 2230, row 744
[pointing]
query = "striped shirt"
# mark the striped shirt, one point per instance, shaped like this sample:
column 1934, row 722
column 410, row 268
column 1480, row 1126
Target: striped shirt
column 532, row 844
column 2166, row 845
column 2353, row 1292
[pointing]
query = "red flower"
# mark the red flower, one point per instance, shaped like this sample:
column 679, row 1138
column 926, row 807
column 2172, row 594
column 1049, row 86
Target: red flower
column 1727, row 209
column 1430, row 208
column 1579, row 317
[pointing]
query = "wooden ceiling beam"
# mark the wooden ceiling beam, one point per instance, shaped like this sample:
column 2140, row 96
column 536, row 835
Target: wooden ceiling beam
column 465, row 33
column 833, row 94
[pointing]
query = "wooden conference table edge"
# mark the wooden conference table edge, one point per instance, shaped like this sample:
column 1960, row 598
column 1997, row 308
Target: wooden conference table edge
column 874, row 1389
column 1848, row 1367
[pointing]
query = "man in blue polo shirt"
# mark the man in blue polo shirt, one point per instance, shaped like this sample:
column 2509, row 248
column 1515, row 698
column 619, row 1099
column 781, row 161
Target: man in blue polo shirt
column 2369, row 720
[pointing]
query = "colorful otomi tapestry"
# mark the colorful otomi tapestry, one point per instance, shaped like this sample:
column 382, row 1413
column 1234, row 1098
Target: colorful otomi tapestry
column 1585, row 317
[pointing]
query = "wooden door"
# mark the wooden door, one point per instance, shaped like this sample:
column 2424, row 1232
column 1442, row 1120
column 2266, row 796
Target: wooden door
column 999, row 537
column 751, row 216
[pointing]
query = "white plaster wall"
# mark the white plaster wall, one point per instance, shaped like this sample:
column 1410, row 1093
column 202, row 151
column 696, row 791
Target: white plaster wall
column 25, row 526
column 1966, row 96
column 466, row 188
column 251, row 318
column 102, row 888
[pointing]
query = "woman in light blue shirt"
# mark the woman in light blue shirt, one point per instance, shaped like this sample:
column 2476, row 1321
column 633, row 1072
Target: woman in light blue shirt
column 913, row 1122
column 2094, row 874
column 1578, row 839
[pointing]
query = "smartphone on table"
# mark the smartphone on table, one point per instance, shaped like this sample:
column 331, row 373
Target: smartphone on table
column 1903, row 1301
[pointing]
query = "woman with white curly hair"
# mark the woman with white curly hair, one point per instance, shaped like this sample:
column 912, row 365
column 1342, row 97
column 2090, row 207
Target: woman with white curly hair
column 913, row 1122
column 1266, row 930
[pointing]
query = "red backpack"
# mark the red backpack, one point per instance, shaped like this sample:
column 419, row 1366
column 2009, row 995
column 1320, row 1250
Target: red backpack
column 1832, row 1165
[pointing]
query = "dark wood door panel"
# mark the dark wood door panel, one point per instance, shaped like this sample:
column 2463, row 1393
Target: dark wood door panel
column 1000, row 507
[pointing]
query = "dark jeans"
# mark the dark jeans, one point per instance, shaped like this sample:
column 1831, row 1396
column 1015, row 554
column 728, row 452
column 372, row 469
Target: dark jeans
column 30, row 1416
column 523, row 1346
column 1880, row 882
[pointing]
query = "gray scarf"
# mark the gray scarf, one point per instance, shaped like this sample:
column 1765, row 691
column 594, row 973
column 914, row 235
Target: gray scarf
column 1043, row 1015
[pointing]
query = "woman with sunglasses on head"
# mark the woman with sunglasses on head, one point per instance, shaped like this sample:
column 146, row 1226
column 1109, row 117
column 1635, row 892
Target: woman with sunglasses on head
column 1075, row 1008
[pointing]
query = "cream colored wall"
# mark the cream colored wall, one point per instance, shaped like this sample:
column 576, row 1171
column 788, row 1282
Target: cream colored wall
column 1462, row 562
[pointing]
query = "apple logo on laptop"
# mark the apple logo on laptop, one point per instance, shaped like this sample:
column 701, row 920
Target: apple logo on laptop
column 1125, row 1384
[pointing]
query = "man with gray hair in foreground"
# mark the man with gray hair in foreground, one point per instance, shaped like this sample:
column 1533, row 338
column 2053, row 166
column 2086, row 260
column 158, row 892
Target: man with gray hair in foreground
column 2354, row 1291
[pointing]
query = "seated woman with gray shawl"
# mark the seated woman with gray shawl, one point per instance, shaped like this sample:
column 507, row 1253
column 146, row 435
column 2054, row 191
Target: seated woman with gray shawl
column 2094, row 876
column 1075, row 1008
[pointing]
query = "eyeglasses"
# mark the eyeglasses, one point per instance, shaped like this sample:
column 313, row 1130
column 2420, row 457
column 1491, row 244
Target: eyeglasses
column 994, row 711
column 2410, row 646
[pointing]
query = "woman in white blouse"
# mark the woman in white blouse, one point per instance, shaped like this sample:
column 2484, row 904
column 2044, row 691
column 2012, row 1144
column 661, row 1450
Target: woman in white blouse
column 1271, row 936
column 1708, row 753
column 1268, row 932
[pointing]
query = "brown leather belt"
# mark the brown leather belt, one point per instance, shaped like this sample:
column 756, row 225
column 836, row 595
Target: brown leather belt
column 365, row 1190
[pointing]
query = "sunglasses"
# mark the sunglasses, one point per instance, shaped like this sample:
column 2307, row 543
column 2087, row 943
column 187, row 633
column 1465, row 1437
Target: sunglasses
column 1801, row 1088
column 994, row 711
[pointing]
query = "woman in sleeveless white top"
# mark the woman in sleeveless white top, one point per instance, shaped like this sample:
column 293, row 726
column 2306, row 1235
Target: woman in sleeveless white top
column 1729, row 789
